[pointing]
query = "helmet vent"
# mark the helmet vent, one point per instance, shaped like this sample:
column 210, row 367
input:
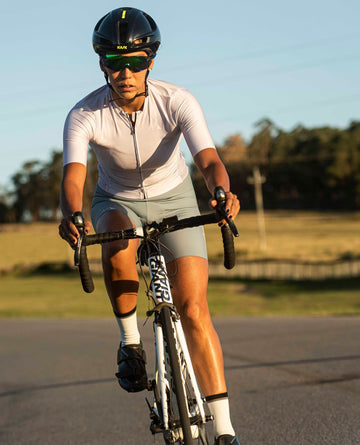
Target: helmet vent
column 141, row 42
column 151, row 22
column 123, row 31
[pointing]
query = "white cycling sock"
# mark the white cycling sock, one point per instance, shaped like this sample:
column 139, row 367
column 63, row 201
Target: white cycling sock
column 128, row 326
column 220, row 410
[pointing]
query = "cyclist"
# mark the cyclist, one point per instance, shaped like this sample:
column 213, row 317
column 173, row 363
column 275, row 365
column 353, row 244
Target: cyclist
column 134, row 125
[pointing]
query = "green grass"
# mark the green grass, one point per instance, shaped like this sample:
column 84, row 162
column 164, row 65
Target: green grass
column 291, row 235
column 61, row 296
column 281, row 298
column 58, row 296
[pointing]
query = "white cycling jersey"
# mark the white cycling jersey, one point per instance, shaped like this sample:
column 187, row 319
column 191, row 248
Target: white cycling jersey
column 138, row 154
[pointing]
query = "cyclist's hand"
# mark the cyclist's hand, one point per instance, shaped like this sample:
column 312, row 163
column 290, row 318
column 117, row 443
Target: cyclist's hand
column 232, row 205
column 69, row 232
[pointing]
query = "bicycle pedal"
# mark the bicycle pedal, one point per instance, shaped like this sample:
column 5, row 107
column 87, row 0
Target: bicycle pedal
column 155, row 428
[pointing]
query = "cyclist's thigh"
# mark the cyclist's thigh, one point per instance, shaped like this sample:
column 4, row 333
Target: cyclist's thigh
column 119, row 255
column 184, row 243
column 189, row 280
column 108, row 214
column 103, row 203
column 180, row 202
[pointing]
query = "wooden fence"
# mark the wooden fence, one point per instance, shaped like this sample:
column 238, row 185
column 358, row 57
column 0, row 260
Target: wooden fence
column 256, row 270
column 282, row 270
column 279, row 270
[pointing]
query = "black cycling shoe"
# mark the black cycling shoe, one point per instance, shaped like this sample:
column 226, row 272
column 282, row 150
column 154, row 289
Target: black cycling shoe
column 131, row 373
column 226, row 439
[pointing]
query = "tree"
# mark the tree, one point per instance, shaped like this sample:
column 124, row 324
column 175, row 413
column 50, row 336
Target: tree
column 316, row 168
column 261, row 142
column 27, row 188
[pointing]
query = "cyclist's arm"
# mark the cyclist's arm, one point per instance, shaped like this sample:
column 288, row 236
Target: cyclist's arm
column 77, row 134
column 215, row 174
column 71, row 199
column 193, row 125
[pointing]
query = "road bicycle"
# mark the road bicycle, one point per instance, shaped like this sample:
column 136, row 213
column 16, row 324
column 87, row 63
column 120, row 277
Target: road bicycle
column 178, row 409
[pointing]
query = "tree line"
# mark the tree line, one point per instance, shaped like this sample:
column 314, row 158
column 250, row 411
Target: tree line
column 316, row 168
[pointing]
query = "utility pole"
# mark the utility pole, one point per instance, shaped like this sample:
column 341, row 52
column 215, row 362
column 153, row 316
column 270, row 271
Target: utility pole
column 257, row 180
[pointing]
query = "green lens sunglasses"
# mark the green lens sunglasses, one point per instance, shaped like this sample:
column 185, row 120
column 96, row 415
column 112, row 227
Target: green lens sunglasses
column 116, row 62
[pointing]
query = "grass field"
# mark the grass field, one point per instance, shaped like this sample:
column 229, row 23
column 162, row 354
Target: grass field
column 306, row 236
column 310, row 236
column 61, row 296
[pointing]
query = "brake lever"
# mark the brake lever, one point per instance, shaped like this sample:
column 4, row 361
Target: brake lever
column 78, row 220
column 219, row 195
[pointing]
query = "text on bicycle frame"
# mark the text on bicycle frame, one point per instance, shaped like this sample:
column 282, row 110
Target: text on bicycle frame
column 160, row 283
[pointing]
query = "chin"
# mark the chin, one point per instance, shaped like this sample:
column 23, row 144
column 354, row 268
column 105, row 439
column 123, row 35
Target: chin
column 127, row 95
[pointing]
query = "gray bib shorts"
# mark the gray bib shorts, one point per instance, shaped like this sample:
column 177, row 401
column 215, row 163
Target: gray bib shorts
column 180, row 202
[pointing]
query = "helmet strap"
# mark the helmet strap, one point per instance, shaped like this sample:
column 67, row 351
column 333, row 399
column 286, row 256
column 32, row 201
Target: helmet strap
column 107, row 82
column 146, row 92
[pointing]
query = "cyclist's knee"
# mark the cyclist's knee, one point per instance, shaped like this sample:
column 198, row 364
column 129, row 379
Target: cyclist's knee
column 112, row 253
column 120, row 267
column 116, row 252
column 194, row 313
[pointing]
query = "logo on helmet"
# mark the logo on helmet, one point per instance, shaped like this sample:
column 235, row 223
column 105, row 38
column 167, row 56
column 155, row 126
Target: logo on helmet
column 122, row 47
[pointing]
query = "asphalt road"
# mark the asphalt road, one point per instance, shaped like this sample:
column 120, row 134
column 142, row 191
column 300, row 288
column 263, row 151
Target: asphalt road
column 291, row 381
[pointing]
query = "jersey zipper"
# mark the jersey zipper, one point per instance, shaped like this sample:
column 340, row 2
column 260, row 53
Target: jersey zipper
column 137, row 153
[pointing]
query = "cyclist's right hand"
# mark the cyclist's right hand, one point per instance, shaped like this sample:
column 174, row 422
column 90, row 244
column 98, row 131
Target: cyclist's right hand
column 69, row 232
column 227, row 206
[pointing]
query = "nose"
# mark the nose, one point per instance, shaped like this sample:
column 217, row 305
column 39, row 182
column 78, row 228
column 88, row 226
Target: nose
column 125, row 73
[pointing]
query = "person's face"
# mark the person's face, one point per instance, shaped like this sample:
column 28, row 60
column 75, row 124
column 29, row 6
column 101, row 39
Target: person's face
column 127, row 83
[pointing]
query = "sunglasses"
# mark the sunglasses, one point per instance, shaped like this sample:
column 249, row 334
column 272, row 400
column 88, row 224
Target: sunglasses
column 115, row 62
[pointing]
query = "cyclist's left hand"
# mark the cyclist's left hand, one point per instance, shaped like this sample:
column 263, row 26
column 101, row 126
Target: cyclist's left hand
column 232, row 204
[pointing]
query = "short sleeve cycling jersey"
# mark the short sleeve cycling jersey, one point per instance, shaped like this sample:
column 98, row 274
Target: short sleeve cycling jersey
column 139, row 154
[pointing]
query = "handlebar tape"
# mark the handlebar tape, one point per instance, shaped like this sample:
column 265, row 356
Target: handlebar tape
column 101, row 238
column 229, row 250
column 80, row 257
column 84, row 270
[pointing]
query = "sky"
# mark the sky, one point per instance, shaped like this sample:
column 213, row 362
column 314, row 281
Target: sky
column 292, row 62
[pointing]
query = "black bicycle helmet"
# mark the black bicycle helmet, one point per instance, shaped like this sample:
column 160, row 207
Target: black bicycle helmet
column 126, row 30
